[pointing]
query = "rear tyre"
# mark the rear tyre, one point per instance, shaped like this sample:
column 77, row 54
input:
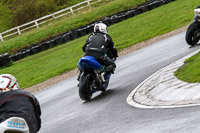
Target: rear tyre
column 192, row 34
column 85, row 91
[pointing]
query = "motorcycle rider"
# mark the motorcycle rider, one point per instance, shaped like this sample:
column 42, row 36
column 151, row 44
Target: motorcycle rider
column 101, row 46
column 195, row 15
column 15, row 102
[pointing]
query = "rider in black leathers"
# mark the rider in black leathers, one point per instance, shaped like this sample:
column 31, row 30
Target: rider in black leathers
column 196, row 8
column 100, row 45
column 97, row 45
column 18, row 103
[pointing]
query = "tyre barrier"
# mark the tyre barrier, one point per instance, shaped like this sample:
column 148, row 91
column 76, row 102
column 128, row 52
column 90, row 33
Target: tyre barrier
column 66, row 37
column 35, row 49
column 106, row 21
column 50, row 44
column 90, row 27
column 18, row 56
column 74, row 34
column 130, row 13
column 43, row 46
column 4, row 59
column 82, row 31
column 25, row 53
column 58, row 40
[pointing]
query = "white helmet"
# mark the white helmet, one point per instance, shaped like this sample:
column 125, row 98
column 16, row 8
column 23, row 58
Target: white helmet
column 101, row 27
column 8, row 82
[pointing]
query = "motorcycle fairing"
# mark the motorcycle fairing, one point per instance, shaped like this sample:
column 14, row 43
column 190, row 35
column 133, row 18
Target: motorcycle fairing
column 16, row 124
column 89, row 62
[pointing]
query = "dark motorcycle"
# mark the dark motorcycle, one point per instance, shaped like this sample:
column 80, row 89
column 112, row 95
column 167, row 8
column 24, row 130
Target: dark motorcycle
column 193, row 32
column 92, row 78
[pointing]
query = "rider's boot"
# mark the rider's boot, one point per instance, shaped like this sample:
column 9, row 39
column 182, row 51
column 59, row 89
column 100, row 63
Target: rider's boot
column 109, row 69
column 102, row 76
column 105, row 84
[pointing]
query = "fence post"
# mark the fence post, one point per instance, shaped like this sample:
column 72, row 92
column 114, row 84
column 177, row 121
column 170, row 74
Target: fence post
column 1, row 37
column 71, row 10
column 19, row 31
column 53, row 15
column 36, row 23
column 89, row 3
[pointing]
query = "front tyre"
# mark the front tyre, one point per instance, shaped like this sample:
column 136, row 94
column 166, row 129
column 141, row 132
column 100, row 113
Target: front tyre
column 85, row 91
column 193, row 34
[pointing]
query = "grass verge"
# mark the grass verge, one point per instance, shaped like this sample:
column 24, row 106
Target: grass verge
column 106, row 8
column 40, row 67
column 190, row 72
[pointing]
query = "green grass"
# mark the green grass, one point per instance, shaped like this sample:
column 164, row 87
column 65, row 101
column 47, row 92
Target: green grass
column 37, row 68
column 190, row 72
column 40, row 67
column 66, row 24
column 6, row 17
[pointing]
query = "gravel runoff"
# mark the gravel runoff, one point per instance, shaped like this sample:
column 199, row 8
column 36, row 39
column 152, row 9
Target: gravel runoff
column 125, row 51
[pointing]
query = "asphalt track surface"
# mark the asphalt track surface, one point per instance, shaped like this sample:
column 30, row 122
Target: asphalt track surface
column 64, row 112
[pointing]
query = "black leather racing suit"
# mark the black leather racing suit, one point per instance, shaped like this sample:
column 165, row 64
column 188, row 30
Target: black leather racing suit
column 97, row 45
column 19, row 103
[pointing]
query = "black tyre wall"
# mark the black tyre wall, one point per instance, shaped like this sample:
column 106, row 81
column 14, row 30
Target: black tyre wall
column 4, row 59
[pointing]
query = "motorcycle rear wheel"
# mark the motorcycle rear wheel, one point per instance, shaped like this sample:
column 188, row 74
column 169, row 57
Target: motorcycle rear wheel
column 192, row 34
column 85, row 91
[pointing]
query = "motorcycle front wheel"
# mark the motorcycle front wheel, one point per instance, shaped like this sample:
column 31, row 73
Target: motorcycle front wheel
column 85, row 91
column 192, row 34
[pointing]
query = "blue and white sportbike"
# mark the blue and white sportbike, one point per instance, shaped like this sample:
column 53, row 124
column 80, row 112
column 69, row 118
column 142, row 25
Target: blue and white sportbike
column 92, row 78
column 14, row 125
